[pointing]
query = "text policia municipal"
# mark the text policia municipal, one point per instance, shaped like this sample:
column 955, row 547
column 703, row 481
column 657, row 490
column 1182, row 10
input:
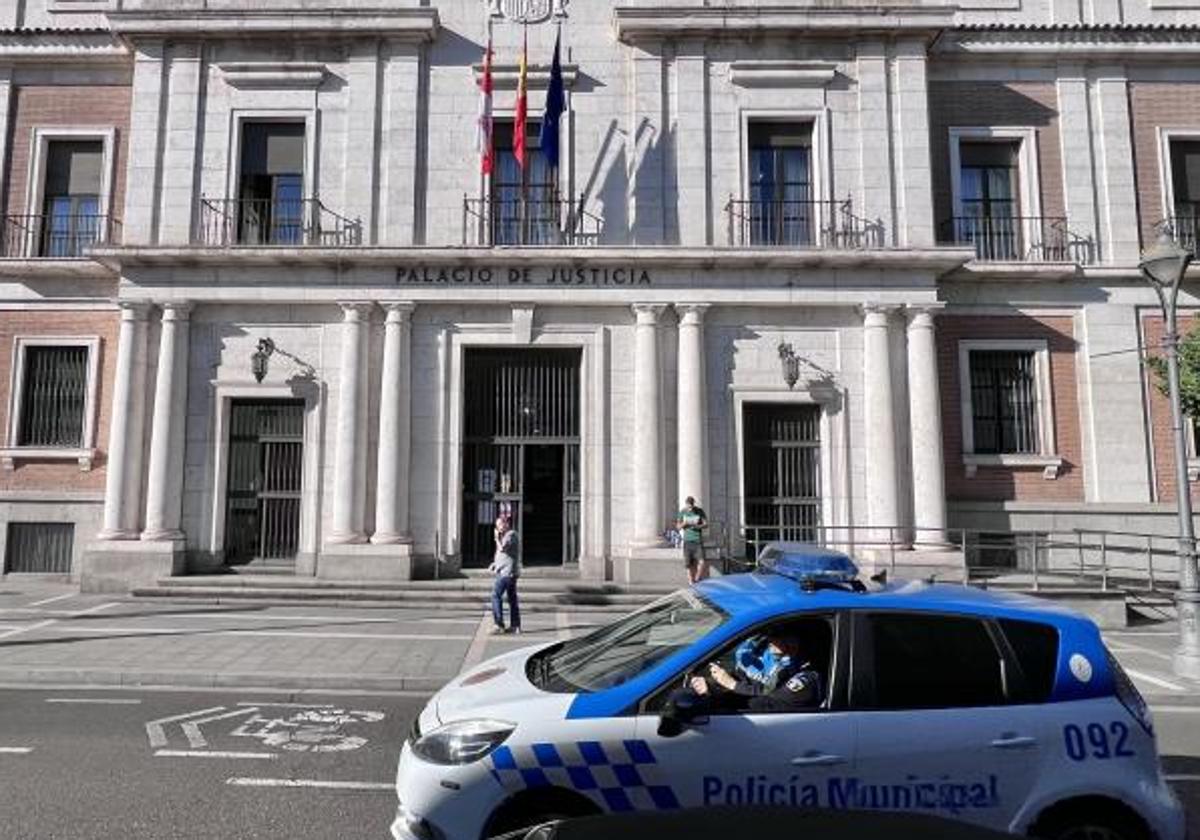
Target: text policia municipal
column 469, row 275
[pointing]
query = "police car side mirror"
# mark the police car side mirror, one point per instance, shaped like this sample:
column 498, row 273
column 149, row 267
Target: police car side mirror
column 683, row 708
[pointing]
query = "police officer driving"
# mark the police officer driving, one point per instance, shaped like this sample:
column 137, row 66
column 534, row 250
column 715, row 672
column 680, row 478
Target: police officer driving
column 772, row 676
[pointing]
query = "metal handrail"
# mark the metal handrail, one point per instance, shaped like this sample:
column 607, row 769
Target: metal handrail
column 1184, row 225
column 529, row 222
column 54, row 236
column 801, row 224
column 258, row 222
column 1030, row 239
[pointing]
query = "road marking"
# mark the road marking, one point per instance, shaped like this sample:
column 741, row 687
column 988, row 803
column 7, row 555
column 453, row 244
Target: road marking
column 102, row 701
column 289, row 705
column 478, row 644
column 1177, row 710
column 27, row 628
column 290, row 634
column 154, row 729
column 241, row 781
column 1158, row 681
column 15, row 750
column 1182, row 777
column 1130, row 647
column 325, row 619
column 52, row 600
column 192, row 727
column 212, row 754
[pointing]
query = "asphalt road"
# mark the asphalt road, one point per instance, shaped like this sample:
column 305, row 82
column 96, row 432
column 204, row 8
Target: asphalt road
column 314, row 767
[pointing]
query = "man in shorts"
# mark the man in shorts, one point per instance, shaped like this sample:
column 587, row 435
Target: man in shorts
column 691, row 522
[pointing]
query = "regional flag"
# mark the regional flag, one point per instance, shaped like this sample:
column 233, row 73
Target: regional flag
column 555, row 105
column 483, row 125
column 522, row 106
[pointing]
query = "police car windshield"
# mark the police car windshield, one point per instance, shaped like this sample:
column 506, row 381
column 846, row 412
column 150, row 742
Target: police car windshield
column 618, row 652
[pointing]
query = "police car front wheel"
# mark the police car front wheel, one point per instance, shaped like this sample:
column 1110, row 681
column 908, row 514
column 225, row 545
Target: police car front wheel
column 532, row 808
column 1090, row 818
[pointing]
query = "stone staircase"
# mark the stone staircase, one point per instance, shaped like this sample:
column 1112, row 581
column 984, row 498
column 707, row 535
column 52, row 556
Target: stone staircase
column 539, row 592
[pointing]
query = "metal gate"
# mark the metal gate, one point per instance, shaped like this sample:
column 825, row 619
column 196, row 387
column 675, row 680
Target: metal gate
column 39, row 547
column 521, row 452
column 782, row 482
column 266, row 458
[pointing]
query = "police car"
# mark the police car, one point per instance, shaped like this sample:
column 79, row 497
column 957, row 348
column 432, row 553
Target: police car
column 995, row 709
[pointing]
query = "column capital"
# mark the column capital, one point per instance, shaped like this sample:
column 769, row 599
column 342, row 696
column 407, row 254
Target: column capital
column 920, row 316
column 399, row 312
column 691, row 313
column 177, row 310
column 355, row 310
column 877, row 314
column 135, row 310
column 648, row 313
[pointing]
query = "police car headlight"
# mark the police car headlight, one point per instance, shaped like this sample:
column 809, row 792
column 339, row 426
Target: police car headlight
column 462, row 742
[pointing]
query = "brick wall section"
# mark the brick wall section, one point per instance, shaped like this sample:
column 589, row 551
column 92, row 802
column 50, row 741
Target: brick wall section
column 1005, row 483
column 59, row 475
column 1155, row 105
column 83, row 106
column 1012, row 105
column 1162, row 436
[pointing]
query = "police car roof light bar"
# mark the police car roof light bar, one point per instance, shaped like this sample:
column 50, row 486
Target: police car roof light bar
column 811, row 566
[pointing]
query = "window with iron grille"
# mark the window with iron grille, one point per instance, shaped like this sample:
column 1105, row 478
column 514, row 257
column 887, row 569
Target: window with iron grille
column 54, row 396
column 1004, row 402
column 39, row 547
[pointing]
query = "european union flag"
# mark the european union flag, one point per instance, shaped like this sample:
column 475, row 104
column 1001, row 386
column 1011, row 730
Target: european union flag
column 555, row 105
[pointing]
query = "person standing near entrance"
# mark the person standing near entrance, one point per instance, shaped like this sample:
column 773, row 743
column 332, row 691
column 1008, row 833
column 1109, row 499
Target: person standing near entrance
column 691, row 522
column 506, row 565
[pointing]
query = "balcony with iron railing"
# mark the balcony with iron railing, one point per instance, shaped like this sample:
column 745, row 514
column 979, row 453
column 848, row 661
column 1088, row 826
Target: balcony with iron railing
column 1019, row 239
column 286, row 223
column 55, row 236
column 1184, row 225
column 800, row 224
column 528, row 222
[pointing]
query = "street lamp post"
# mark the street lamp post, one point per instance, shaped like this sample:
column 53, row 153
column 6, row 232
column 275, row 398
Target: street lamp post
column 1164, row 265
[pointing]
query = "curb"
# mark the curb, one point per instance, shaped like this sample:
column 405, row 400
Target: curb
column 102, row 677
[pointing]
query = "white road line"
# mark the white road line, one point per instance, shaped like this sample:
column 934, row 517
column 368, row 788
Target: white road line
column 191, row 728
column 52, row 600
column 27, row 628
column 241, row 781
column 289, row 705
column 1175, row 710
column 1158, row 681
column 212, row 754
column 1183, row 777
column 478, row 644
column 154, row 729
column 326, row 619
column 15, row 750
column 100, row 701
column 1130, row 647
column 289, row 634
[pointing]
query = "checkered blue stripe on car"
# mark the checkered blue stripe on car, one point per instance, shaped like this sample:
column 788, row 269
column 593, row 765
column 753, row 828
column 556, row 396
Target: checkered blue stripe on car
column 619, row 775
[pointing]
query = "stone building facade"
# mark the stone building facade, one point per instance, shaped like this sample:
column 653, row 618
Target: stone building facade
column 861, row 273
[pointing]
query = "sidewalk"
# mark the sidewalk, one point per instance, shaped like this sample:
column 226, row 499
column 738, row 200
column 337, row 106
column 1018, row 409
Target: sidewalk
column 50, row 634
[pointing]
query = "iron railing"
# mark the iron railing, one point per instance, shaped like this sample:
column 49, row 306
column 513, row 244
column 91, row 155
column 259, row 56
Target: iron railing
column 1030, row 239
column 289, row 223
column 800, row 224
column 489, row 222
column 1184, row 225
column 55, row 237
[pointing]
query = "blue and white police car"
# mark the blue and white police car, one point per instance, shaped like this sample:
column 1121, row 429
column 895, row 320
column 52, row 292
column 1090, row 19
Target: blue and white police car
column 991, row 708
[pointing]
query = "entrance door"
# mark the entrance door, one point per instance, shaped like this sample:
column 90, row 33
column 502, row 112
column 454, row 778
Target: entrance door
column 782, row 482
column 266, row 458
column 521, row 453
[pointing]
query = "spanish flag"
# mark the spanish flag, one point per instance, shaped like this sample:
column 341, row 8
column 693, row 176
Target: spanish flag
column 522, row 106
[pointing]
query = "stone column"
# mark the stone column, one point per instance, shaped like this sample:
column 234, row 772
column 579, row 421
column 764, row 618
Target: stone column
column 647, row 429
column 693, row 409
column 925, row 425
column 883, row 507
column 347, row 478
column 395, row 426
column 123, row 461
column 164, row 487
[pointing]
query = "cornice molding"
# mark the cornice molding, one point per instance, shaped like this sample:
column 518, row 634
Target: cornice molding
column 413, row 24
column 66, row 46
column 651, row 23
column 791, row 74
column 273, row 75
column 1072, row 42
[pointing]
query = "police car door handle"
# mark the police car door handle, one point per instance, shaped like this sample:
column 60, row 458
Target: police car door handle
column 812, row 758
column 1012, row 741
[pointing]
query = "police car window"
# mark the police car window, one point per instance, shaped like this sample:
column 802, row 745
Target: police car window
column 930, row 661
column 1036, row 647
column 618, row 652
